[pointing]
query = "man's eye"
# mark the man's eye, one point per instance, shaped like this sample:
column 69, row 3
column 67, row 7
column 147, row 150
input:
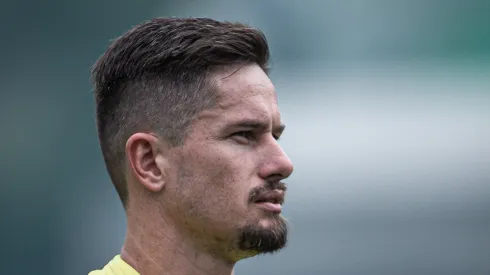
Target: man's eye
column 244, row 136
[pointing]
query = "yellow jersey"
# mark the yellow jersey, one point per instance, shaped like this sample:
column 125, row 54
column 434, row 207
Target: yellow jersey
column 116, row 267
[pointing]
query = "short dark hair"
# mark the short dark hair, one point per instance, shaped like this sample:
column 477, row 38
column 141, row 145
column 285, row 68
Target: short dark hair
column 156, row 77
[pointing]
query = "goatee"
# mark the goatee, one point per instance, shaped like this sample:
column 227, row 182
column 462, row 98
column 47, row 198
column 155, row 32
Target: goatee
column 257, row 239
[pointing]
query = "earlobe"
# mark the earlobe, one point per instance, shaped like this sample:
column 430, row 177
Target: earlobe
column 145, row 161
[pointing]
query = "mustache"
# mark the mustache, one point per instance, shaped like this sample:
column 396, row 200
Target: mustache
column 269, row 186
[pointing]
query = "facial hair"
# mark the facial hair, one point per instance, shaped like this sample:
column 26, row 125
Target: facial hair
column 259, row 240
column 255, row 238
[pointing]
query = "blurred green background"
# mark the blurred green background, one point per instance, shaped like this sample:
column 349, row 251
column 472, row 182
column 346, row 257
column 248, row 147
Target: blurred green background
column 388, row 111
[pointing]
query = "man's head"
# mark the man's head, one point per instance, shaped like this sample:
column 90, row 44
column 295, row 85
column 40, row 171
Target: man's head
column 188, row 122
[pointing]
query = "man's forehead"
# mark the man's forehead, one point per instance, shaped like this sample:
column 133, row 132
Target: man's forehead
column 247, row 94
column 244, row 92
column 243, row 83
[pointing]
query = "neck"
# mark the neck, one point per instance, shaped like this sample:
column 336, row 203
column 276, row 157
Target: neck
column 155, row 247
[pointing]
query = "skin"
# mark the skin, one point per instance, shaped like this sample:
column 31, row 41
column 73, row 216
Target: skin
column 188, row 203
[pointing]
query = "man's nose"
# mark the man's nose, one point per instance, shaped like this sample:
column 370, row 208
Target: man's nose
column 276, row 162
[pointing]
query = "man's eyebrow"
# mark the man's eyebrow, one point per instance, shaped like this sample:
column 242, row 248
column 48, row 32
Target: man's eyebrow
column 257, row 125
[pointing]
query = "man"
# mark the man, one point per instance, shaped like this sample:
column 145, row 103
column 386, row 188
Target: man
column 188, row 124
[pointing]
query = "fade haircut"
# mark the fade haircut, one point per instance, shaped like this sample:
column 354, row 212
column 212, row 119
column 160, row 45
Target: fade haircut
column 157, row 78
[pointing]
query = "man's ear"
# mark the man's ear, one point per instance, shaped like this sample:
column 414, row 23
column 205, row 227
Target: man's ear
column 146, row 160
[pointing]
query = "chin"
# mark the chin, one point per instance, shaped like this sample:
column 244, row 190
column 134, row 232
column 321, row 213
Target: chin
column 268, row 235
column 271, row 221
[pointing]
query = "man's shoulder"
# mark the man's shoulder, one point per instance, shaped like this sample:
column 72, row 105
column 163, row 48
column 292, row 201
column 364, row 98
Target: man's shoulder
column 116, row 266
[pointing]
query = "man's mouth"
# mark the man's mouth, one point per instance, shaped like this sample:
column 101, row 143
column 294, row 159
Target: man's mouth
column 270, row 201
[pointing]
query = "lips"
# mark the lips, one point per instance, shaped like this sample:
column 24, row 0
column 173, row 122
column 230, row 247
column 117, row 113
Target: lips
column 270, row 201
column 274, row 196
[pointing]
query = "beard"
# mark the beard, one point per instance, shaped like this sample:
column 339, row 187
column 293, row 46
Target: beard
column 257, row 239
